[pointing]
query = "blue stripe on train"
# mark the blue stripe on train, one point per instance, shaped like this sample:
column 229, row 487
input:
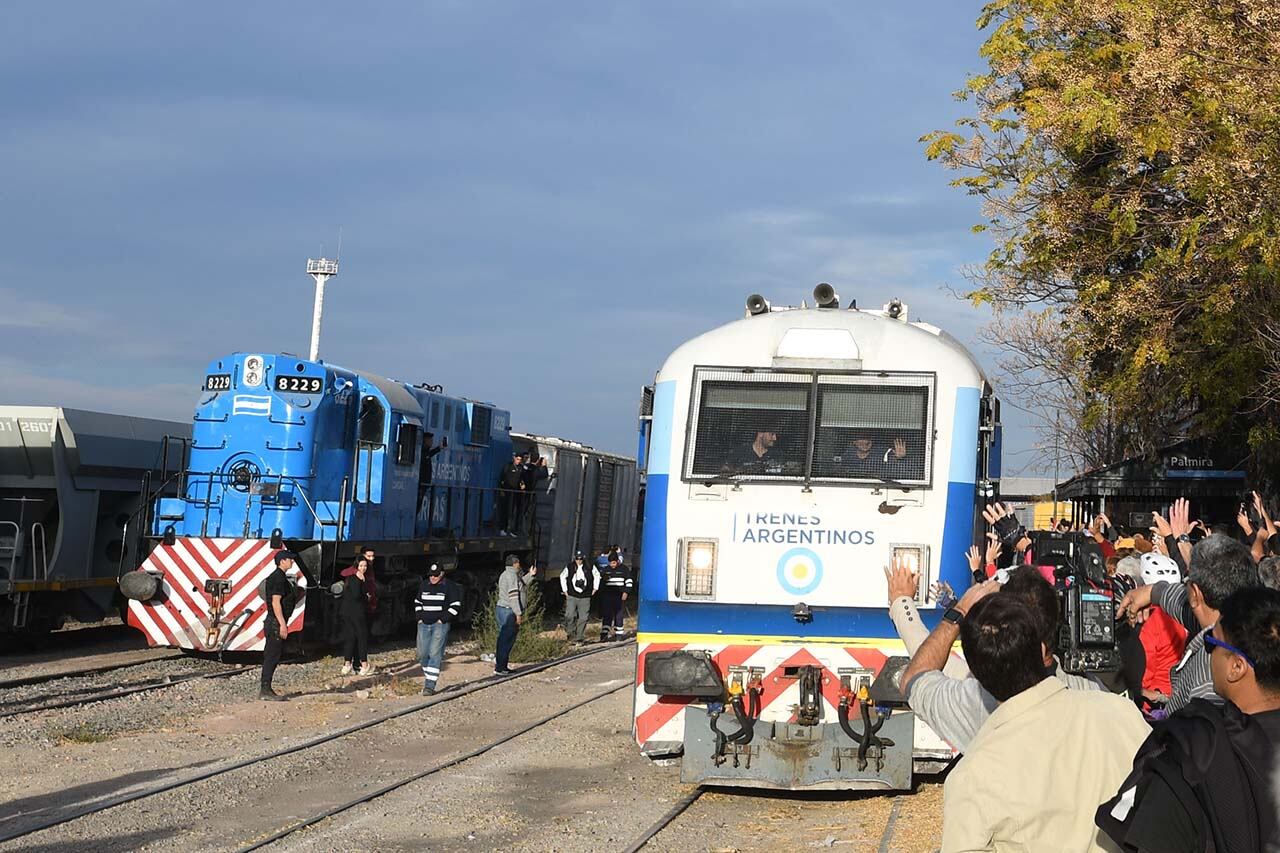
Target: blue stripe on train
column 676, row 617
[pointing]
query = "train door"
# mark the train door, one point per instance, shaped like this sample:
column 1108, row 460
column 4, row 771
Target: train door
column 371, row 451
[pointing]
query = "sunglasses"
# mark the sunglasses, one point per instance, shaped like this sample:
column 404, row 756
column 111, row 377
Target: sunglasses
column 1213, row 642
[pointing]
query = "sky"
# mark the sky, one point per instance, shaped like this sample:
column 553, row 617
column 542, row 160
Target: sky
column 537, row 201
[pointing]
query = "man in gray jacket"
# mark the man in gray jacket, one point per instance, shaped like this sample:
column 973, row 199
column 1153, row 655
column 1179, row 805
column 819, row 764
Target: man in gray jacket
column 509, row 610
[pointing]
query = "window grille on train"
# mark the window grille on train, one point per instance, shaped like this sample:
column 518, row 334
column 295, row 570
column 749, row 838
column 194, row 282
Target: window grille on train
column 749, row 425
column 762, row 425
column 481, row 421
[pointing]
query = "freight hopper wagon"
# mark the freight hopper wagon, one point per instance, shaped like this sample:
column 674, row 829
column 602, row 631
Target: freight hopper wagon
column 318, row 459
column 69, row 494
column 791, row 455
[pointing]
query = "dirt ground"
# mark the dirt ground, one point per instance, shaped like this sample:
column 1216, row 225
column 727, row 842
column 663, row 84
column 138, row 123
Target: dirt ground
column 576, row 784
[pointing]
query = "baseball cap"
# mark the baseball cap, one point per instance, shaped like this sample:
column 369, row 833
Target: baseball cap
column 281, row 556
column 1126, row 542
column 435, row 570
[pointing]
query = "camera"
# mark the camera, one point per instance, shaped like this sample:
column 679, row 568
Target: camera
column 1087, row 605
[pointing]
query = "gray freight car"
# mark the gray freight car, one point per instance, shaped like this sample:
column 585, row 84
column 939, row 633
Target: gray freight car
column 587, row 502
column 70, row 483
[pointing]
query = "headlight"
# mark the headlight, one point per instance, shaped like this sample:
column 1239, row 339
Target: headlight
column 916, row 558
column 697, row 576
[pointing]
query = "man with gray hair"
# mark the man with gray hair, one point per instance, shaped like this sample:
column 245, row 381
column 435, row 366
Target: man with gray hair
column 1219, row 566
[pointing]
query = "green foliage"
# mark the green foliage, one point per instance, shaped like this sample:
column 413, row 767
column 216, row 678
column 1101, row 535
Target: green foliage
column 532, row 642
column 1128, row 160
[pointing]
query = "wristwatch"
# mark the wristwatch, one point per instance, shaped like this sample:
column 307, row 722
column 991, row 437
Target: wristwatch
column 954, row 616
column 1184, row 538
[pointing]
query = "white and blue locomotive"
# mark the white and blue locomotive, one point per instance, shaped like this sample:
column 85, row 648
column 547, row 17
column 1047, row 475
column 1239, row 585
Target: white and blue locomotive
column 315, row 458
column 791, row 455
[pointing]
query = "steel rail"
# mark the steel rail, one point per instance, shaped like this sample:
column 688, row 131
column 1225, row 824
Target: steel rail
column 82, row 809
column 122, row 690
column 666, row 820
column 444, row 765
column 77, row 673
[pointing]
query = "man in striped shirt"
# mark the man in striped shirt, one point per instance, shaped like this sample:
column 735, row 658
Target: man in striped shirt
column 438, row 604
column 1219, row 566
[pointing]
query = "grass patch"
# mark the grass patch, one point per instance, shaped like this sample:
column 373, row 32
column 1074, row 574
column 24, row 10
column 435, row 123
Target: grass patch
column 84, row 733
column 533, row 642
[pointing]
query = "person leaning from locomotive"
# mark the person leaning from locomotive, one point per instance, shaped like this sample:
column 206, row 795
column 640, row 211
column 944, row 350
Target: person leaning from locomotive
column 509, row 485
column 437, row 605
column 280, row 596
column 579, row 582
column 429, row 452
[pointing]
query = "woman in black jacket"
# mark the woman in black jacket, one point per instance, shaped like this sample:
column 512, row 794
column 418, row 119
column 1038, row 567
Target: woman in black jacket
column 353, row 608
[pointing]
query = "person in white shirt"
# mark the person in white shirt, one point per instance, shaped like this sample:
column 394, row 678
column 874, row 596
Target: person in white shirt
column 579, row 582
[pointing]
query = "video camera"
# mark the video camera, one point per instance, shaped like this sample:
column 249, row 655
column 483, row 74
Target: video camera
column 1087, row 619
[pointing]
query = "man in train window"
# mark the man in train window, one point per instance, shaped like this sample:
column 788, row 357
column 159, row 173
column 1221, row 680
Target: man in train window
column 757, row 456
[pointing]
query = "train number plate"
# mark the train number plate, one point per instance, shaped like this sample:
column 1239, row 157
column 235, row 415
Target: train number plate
column 299, row 384
column 217, row 382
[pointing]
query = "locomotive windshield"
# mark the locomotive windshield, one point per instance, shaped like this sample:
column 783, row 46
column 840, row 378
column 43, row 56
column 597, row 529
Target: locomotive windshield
column 779, row 426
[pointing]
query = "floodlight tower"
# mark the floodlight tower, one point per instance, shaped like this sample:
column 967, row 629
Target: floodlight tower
column 321, row 270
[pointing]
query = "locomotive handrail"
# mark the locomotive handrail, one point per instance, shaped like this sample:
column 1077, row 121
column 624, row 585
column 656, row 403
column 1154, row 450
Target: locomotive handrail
column 13, row 556
column 38, row 540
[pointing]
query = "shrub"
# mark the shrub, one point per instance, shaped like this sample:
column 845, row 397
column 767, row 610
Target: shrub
column 533, row 643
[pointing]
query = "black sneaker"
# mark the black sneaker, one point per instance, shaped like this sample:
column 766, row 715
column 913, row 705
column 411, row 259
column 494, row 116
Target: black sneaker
column 428, row 691
column 269, row 695
column 502, row 671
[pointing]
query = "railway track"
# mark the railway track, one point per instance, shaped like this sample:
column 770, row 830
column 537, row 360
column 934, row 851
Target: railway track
column 685, row 802
column 46, row 677
column 14, row 826
column 88, row 696
column 431, row 771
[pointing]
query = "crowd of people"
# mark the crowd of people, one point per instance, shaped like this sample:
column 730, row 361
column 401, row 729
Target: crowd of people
column 1176, row 752
column 438, row 603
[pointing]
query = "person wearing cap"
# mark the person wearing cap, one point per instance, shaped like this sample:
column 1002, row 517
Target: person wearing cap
column 509, row 485
column 579, row 582
column 278, row 591
column 615, row 585
column 437, row 605
column 509, row 610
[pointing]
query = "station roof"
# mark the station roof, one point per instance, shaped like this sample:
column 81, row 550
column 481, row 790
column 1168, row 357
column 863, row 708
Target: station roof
column 1196, row 468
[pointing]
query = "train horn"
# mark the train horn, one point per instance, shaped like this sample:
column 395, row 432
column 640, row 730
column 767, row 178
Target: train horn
column 757, row 304
column 825, row 296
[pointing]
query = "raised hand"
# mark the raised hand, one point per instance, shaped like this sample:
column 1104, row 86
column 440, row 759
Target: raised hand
column 994, row 548
column 903, row 581
column 1160, row 525
column 1180, row 518
column 974, row 556
column 899, row 448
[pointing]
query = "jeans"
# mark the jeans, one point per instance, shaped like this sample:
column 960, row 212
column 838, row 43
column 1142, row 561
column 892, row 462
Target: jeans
column 576, row 613
column 506, row 636
column 272, row 652
column 431, row 640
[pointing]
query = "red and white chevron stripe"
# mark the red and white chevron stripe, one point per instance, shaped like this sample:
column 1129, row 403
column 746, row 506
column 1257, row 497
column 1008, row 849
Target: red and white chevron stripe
column 180, row 617
column 659, row 720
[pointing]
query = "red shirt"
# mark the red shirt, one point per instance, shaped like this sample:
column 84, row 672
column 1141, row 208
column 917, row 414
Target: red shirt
column 1163, row 639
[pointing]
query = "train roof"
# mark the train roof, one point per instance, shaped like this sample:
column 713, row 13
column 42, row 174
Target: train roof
column 569, row 444
column 826, row 338
column 97, row 442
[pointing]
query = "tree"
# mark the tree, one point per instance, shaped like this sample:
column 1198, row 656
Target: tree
column 1125, row 152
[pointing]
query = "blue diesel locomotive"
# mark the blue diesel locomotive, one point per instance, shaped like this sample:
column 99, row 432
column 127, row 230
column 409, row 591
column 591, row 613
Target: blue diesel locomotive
column 318, row 459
